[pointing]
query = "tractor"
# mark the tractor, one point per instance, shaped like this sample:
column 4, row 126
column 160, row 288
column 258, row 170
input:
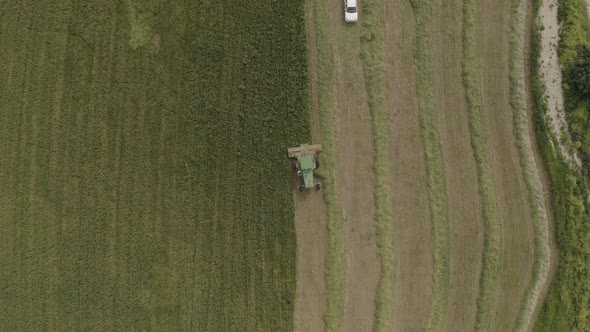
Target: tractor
column 305, row 160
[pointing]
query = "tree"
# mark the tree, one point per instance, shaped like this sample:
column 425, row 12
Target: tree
column 581, row 72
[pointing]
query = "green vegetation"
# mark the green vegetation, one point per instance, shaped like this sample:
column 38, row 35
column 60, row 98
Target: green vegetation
column 574, row 39
column 140, row 24
column 373, row 57
column 574, row 31
column 580, row 75
column 518, row 101
column 437, row 193
column 492, row 238
column 335, row 259
column 143, row 179
column 566, row 306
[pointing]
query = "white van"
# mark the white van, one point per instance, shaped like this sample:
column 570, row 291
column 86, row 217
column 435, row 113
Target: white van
column 350, row 11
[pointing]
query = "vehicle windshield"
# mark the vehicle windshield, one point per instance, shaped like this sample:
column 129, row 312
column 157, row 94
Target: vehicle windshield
column 351, row 10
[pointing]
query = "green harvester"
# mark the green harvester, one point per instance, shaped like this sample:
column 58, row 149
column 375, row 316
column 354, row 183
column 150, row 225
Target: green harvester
column 305, row 160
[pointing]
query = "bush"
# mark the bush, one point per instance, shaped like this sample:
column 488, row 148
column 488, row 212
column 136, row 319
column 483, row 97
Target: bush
column 580, row 73
column 574, row 56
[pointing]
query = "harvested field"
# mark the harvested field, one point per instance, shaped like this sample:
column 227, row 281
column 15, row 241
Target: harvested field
column 352, row 228
column 466, row 224
column 455, row 166
column 516, row 256
column 413, row 246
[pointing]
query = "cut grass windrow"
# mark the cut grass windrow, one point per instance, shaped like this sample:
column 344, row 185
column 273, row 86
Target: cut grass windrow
column 335, row 258
column 437, row 193
column 532, row 180
column 492, row 239
column 373, row 57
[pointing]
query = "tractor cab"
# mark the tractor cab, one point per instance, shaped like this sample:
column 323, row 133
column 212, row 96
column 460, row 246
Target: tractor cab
column 305, row 160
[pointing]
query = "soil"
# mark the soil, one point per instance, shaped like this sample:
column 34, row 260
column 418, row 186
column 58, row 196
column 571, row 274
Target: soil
column 312, row 247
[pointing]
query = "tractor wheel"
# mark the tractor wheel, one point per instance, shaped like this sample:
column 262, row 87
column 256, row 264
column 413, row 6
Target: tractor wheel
column 317, row 162
column 318, row 186
column 294, row 165
column 300, row 188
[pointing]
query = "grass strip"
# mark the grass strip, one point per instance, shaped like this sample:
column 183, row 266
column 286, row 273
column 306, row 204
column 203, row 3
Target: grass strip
column 373, row 57
column 335, row 258
column 532, row 180
column 434, row 162
column 479, row 144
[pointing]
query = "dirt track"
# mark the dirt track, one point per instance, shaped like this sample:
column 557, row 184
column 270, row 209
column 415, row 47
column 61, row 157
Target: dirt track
column 414, row 267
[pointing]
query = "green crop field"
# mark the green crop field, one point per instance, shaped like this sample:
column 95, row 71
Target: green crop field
column 143, row 184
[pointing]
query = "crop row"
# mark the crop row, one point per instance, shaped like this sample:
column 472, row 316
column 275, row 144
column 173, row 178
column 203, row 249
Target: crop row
column 373, row 58
column 437, row 194
column 492, row 231
column 160, row 165
column 335, row 258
